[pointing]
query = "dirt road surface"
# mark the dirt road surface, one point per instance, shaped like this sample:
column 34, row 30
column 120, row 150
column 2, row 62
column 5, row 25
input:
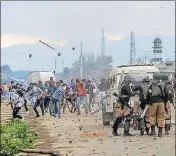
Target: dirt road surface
column 73, row 135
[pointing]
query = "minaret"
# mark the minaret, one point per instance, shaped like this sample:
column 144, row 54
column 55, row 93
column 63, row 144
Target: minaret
column 157, row 51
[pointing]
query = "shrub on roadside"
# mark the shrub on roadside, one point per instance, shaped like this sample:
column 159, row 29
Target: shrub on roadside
column 15, row 136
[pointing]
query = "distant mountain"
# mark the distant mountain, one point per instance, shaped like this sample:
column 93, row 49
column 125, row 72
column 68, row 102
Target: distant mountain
column 17, row 56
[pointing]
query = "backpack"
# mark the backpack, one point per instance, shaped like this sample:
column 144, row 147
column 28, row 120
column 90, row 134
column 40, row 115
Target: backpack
column 156, row 91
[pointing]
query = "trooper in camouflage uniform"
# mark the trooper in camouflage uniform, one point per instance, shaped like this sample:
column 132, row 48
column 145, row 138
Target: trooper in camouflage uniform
column 156, row 96
column 144, row 103
column 138, row 109
column 123, row 111
column 169, row 96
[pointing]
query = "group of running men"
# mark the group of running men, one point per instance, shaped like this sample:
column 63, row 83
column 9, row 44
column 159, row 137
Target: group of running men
column 51, row 96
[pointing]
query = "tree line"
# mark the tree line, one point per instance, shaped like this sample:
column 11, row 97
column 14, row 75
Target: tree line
column 96, row 66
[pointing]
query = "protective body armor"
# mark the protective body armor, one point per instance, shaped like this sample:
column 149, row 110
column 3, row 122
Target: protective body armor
column 156, row 91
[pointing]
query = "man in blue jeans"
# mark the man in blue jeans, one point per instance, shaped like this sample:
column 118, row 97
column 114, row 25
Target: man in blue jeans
column 56, row 99
column 51, row 90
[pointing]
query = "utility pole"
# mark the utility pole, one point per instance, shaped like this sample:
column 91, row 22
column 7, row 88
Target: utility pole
column 132, row 49
column 103, row 43
column 55, row 66
column 62, row 65
column 81, row 55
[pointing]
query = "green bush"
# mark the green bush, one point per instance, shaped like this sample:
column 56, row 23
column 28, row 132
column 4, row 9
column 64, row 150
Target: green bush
column 15, row 136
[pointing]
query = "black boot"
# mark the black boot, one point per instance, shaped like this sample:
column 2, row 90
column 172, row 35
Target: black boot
column 126, row 128
column 141, row 126
column 37, row 114
column 147, row 130
column 116, row 125
column 160, row 131
column 167, row 128
column 152, row 133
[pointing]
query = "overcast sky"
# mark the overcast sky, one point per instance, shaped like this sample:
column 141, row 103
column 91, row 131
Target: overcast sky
column 61, row 22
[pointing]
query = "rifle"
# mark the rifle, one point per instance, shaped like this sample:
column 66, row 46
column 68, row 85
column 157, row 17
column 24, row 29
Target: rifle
column 123, row 101
column 144, row 112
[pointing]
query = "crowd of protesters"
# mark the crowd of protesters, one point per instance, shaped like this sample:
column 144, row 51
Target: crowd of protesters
column 52, row 97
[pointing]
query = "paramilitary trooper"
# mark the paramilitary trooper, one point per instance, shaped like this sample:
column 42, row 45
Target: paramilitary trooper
column 124, row 111
column 157, row 99
column 139, row 105
column 144, row 103
column 169, row 97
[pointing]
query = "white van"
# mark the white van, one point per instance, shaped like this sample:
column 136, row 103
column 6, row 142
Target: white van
column 43, row 76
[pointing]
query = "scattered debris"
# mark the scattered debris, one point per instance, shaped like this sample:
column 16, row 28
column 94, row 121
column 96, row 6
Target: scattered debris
column 70, row 141
column 80, row 127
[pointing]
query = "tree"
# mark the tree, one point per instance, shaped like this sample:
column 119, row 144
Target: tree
column 91, row 62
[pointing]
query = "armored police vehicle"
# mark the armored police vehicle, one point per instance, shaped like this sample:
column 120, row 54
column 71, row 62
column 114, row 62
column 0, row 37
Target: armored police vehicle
column 138, row 72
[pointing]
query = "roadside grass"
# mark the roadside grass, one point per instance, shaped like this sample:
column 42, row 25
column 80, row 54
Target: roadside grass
column 15, row 137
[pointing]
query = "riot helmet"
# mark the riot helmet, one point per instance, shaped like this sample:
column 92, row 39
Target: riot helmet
column 127, row 78
column 164, row 77
column 146, row 80
column 156, row 77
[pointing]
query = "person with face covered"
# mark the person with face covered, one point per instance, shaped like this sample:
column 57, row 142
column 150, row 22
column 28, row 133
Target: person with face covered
column 38, row 99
